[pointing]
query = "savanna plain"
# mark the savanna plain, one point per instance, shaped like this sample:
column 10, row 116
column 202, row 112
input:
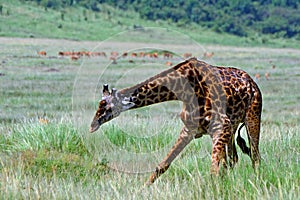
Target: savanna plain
column 47, row 102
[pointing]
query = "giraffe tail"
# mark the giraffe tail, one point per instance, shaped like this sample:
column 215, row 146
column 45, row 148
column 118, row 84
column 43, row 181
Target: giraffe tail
column 241, row 142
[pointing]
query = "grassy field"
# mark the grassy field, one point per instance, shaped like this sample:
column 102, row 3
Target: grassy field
column 47, row 103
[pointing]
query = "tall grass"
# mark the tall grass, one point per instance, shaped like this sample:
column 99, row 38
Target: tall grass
column 51, row 161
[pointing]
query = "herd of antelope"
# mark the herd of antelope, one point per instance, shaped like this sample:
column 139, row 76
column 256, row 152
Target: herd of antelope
column 257, row 76
column 75, row 55
column 113, row 56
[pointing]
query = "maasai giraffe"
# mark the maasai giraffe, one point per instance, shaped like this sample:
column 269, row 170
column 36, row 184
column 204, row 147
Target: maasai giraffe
column 215, row 101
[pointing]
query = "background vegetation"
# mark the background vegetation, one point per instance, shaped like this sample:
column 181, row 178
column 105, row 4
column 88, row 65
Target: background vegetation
column 241, row 17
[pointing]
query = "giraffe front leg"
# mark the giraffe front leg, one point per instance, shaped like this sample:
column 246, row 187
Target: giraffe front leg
column 183, row 140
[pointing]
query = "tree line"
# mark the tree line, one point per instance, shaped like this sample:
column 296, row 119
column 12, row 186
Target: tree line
column 279, row 18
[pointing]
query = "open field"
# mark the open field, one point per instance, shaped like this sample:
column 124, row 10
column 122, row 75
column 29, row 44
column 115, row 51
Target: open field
column 47, row 103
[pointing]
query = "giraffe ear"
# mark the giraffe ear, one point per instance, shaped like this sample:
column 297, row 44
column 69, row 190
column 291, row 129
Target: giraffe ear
column 105, row 90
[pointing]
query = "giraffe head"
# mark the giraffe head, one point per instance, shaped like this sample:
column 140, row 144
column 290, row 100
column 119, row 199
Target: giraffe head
column 110, row 106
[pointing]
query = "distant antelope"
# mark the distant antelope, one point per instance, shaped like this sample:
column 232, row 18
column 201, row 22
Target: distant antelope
column 167, row 55
column 257, row 76
column 273, row 66
column 133, row 54
column 43, row 120
column 100, row 54
column 155, row 55
column 42, row 53
column 114, row 54
column 61, row 53
column 267, row 75
column 208, row 54
column 152, row 55
column 74, row 57
column 142, row 54
column 66, row 53
column 168, row 63
column 187, row 55
column 125, row 54
column 113, row 59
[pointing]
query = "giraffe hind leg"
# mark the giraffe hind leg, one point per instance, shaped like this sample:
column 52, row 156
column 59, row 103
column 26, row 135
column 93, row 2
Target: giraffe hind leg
column 222, row 133
column 232, row 153
column 253, row 128
column 253, row 131
column 252, row 122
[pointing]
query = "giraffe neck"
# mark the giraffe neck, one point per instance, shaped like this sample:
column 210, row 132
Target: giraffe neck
column 152, row 91
column 172, row 84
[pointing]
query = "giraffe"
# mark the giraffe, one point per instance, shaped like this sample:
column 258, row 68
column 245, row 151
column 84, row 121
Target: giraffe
column 216, row 100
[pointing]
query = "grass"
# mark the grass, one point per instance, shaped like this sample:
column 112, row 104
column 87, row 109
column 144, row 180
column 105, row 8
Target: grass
column 59, row 166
